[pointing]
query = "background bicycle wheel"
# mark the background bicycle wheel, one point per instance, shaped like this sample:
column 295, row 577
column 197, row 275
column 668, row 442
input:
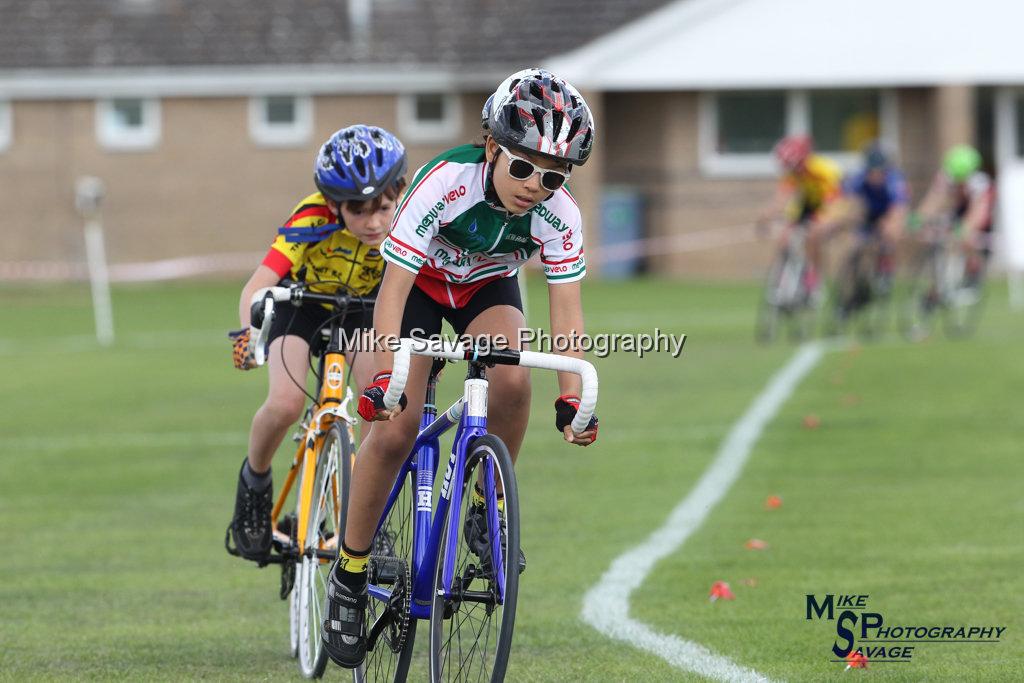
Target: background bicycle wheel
column 118, row 466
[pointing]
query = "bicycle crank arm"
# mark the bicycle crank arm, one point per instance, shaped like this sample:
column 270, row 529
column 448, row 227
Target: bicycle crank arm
column 383, row 621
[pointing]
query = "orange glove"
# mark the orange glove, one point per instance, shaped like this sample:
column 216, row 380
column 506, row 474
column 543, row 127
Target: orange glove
column 241, row 353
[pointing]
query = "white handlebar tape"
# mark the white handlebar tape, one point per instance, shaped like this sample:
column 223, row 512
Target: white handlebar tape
column 449, row 350
column 399, row 374
column 586, row 371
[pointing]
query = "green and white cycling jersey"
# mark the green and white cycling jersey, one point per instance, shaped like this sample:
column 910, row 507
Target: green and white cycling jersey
column 456, row 241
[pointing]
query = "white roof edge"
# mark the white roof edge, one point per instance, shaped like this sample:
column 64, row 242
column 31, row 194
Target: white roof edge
column 831, row 83
column 723, row 44
column 28, row 84
column 582, row 66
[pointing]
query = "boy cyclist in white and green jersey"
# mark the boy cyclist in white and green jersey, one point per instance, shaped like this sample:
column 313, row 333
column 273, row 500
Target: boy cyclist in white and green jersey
column 470, row 219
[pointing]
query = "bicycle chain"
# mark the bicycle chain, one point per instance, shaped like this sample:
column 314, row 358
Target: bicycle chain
column 402, row 584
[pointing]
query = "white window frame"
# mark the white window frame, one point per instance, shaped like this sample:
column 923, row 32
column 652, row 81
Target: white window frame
column 412, row 129
column 112, row 136
column 798, row 121
column 294, row 134
column 1006, row 127
column 6, row 124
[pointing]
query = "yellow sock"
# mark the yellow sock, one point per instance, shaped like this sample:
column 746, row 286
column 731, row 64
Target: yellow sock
column 353, row 562
column 478, row 499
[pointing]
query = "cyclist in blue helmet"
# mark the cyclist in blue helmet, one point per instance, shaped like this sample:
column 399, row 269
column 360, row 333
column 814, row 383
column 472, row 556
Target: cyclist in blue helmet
column 879, row 199
column 331, row 240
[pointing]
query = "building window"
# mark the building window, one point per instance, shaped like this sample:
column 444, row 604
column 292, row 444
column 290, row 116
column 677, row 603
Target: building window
column 128, row 123
column 429, row 117
column 6, row 125
column 737, row 130
column 844, row 120
column 750, row 123
column 280, row 120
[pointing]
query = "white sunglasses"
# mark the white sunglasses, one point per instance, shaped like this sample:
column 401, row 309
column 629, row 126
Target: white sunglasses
column 523, row 169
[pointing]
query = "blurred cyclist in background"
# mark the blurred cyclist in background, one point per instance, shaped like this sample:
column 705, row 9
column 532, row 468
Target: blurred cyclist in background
column 804, row 199
column 963, row 196
column 877, row 199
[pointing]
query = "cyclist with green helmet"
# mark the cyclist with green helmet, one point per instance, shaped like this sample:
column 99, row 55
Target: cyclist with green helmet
column 964, row 196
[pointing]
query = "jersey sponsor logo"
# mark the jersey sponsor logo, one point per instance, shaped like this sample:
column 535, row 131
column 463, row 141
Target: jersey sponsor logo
column 455, row 194
column 562, row 268
column 474, row 240
column 429, row 218
column 447, row 259
column 550, row 218
column 407, row 254
column 512, row 237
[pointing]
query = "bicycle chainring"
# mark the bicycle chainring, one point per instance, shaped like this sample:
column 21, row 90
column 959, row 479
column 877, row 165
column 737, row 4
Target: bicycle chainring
column 401, row 599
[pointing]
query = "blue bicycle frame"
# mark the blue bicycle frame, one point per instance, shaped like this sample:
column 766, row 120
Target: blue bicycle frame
column 470, row 414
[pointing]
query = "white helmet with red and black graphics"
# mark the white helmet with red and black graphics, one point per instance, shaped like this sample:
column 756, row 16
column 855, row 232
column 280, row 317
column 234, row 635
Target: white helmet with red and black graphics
column 535, row 111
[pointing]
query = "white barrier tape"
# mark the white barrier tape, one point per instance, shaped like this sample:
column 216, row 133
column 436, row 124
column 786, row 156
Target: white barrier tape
column 148, row 271
column 190, row 266
column 697, row 240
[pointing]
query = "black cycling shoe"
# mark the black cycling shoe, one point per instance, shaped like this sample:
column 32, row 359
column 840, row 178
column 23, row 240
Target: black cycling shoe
column 344, row 631
column 250, row 527
column 474, row 531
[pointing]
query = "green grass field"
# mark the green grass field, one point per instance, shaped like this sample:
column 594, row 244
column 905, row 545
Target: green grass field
column 119, row 467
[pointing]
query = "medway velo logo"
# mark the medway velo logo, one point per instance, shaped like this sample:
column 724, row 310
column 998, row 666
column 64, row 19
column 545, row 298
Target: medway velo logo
column 863, row 636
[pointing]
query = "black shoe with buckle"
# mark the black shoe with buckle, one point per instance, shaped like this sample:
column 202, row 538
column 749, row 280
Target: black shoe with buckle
column 343, row 632
column 250, row 527
column 474, row 532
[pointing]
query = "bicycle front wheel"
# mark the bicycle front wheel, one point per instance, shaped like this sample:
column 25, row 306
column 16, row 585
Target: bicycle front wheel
column 767, row 323
column 921, row 300
column 390, row 567
column 472, row 618
column 964, row 301
column 325, row 519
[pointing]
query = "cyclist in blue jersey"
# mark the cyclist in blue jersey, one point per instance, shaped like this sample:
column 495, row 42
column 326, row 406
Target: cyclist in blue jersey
column 880, row 199
column 469, row 220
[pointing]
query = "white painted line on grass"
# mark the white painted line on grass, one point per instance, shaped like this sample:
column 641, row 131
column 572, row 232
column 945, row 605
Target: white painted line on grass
column 606, row 605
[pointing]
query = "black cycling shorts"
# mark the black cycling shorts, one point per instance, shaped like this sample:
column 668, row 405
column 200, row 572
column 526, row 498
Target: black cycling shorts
column 424, row 315
column 308, row 320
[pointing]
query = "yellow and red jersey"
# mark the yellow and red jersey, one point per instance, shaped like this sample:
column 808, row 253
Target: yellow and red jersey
column 339, row 261
column 817, row 183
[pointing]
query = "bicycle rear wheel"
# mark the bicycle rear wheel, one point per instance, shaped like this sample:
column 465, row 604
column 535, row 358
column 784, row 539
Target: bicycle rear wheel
column 471, row 625
column 390, row 566
column 964, row 302
column 325, row 520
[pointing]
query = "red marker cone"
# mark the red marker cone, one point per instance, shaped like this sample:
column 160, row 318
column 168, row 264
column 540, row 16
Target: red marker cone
column 856, row 660
column 720, row 589
column 811, row 421
column 756, row 544
column 773, row 503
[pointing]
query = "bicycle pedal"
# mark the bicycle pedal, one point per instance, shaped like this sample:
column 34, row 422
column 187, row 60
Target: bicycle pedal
column 386, row 571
